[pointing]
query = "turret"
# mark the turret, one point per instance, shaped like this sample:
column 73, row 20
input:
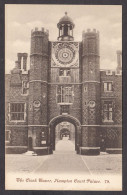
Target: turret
column 91, row 55
column 37, row 118
column 90, row 89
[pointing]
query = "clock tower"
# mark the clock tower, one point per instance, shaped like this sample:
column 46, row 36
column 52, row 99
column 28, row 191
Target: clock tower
column 64, row 87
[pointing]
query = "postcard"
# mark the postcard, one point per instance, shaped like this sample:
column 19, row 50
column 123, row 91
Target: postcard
column 63, row 97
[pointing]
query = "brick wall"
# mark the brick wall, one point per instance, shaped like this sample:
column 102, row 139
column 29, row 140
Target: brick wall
column 112, row 131
column 115, row 95
column 18, row 135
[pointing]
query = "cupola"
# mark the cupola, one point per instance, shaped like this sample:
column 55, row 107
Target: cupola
column 65, row 26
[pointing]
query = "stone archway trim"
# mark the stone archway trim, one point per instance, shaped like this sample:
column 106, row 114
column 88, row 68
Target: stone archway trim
column 65, row 116
column 56, row 120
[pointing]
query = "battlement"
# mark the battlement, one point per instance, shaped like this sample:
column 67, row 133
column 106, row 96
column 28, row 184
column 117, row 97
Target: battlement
column 111, row 72
column 90, row 32
column 39, row 32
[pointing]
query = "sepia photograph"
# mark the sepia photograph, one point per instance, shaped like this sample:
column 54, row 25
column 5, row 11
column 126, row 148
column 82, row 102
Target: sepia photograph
column 63, row 97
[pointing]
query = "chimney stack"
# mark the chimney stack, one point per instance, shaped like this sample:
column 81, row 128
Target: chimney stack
column 22, row 59
column 25, row 55
column 119, row 60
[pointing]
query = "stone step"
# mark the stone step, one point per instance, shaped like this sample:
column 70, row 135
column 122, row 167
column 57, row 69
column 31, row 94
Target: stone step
column 30, row 153
column 64, row 152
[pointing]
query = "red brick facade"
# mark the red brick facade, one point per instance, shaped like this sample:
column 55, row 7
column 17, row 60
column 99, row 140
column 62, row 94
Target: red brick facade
column 95, row 110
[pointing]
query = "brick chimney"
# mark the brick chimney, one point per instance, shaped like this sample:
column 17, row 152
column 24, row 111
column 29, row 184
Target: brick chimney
column 119, row 59
column 22, row 59
column 25, row 55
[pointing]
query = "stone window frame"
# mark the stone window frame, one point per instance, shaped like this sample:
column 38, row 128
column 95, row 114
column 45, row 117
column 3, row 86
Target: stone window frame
column 65, row 72
column 61, row 102
column 108, row 111
column 9, row 139
column 107, row 82
column 9, row 115
column 27, row 88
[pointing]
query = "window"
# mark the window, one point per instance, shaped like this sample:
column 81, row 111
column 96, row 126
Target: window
column 64, row 94
column 65, row 109
column 108, row 86
column 85, row 89
column 108, row 110
column 17, row 111
column 43, row 134
column 85, row 103
column 7, row 135
column 64, row 72
column 25, row 87
column 65, row 30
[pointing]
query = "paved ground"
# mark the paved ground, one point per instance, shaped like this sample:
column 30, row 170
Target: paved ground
column 65, row 160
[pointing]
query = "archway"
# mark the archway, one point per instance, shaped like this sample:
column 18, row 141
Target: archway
column 67, row 118
column 65, row 137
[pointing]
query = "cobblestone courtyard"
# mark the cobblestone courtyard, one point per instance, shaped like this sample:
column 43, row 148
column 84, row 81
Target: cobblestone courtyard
column 65, row 159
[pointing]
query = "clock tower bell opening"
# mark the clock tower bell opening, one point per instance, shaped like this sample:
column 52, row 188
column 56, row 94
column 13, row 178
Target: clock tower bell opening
column 65, row 26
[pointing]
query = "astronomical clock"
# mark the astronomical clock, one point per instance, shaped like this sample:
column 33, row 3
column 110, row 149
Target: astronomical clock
column 65, row 54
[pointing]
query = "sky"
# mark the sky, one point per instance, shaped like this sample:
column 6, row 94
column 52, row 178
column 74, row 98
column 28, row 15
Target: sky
column 20, row 19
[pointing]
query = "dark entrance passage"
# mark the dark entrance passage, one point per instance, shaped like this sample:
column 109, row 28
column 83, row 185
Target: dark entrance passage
column 65, row 133
column 72, row 133
column 65, row 137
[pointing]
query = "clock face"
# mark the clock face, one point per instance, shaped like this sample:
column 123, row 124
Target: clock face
column 65, row 54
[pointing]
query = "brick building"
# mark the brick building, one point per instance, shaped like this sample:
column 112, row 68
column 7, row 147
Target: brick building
column 63, row 85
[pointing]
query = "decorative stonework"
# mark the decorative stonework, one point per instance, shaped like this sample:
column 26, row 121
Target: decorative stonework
column 65, row 54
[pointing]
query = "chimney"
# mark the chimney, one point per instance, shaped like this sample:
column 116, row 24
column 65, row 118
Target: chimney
column 119, row 60
column 19, row 55
column 17, row 65
column 22, row 59
column 25, row 55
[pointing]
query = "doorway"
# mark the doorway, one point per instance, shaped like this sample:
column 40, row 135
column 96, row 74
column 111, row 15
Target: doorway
column 65, row 128
column 65, row 136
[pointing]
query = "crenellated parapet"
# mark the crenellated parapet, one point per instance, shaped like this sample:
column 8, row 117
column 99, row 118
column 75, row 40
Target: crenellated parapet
column 90, row 32
column 111, row 73
column 39, row 32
